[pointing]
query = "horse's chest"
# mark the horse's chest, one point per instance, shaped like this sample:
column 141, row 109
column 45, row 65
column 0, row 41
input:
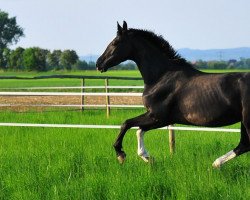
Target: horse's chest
column 156, row 103
column 147, row 102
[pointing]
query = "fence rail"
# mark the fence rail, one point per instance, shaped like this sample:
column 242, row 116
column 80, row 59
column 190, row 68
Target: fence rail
column 118, row 127
column 107, row 94
column 74, row 87
column 72, row 105
column 70, row 94
column 72, row 76
column 85, row 126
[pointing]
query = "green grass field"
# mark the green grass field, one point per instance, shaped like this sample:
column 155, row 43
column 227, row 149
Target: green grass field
column 11, row 83
column 74, row 82
column 66, row 163
column 56, row 163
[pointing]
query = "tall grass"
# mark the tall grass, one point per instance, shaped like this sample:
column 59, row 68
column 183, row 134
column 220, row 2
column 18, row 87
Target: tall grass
column 56, row 163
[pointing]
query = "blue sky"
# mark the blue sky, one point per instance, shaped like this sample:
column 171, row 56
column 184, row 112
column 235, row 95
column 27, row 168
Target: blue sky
column 87, row 26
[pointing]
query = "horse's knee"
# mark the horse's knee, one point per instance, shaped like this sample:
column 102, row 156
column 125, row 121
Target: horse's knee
column 125, row 126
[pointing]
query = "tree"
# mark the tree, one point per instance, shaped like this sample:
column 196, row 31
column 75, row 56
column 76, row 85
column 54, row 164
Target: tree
column 200, row 64
column 29, row 60
column 5, row 58
column 247, row 62
column 92, row 65
column 53, row 59
column 41, row 57
column 10, row 33
column 68, row 58
column 81, row 65
column 16, row 59
column 35, row 59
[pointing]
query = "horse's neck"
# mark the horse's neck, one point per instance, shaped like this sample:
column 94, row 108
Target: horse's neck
column 153, row 69
column 150, row 65
column 153, row 64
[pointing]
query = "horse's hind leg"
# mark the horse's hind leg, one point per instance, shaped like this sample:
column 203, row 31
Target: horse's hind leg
column 244, row 146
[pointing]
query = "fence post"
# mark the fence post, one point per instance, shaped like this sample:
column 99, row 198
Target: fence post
column 107, row 96
column 171, row 140
column 82, row 96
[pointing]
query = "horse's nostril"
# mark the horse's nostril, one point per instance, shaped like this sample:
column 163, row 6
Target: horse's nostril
column 97, row 64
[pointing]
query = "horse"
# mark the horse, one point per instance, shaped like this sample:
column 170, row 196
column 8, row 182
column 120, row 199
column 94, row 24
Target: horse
column 175, row 92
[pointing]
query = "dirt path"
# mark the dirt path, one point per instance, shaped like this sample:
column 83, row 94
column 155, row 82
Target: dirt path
column 25, row 103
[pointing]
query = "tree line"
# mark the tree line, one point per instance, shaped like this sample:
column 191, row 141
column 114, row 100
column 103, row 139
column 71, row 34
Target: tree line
column 38, row 59
column 243, row 63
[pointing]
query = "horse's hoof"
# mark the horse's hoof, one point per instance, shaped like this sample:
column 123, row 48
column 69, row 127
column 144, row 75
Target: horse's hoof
column 216, row 164
column 121, row 157
column 147, row 159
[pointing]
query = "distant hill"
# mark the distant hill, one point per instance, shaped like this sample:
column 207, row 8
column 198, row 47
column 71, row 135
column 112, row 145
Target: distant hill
column 196, row 54
column 215, row 54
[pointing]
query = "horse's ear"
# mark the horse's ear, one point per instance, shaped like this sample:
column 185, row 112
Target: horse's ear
column 125, row 26
column 119, row 29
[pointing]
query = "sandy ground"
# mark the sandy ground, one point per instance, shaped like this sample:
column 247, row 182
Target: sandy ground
column 25, row 103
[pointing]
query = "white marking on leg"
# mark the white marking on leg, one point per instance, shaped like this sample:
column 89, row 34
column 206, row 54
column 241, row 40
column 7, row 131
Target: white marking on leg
column 221, row 160
column 141, row 151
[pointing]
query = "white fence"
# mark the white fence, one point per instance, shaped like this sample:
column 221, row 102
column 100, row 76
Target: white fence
column 118, row 94
column 81, row 94
column 170, row 128
column 107, row 94
column 118, row 127
column 75, row 87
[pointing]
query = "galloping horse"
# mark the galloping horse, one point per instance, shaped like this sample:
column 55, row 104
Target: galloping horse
column 176, row 92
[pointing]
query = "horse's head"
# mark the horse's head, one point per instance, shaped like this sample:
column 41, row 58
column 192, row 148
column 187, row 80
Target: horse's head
column 117, row 51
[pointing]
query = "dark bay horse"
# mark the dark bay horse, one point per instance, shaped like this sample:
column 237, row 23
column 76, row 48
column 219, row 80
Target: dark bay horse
column 176, row 92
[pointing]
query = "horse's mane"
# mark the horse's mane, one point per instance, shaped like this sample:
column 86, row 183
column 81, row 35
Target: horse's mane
column 159, row 41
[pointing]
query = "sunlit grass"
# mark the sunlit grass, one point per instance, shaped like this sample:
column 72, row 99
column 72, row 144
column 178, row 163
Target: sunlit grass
column 66, row 163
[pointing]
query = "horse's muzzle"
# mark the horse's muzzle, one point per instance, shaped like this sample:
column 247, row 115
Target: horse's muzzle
column 99, row 66
column 101, row 69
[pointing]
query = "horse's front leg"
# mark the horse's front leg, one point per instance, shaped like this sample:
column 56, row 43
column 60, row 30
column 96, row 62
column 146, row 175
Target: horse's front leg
column 144, row 121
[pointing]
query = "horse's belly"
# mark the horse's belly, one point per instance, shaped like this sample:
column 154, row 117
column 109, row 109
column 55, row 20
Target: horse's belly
column 212, row 117
column 210, row 108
